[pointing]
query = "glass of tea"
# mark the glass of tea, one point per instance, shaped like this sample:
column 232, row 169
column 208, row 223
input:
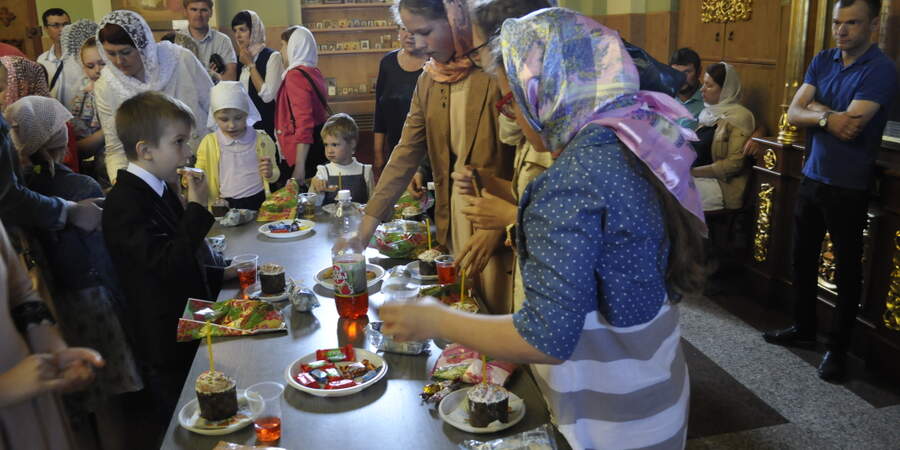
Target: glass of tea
column 268, row 423
column 248, row 278
column 446, row 272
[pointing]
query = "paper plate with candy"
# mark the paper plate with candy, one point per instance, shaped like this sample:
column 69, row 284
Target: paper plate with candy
column 336, row 372
column 283, row 229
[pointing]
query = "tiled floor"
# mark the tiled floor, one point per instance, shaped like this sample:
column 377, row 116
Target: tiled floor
column 861, row 414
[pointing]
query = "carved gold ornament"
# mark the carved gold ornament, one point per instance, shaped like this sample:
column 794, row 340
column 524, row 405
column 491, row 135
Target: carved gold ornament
column 770, row 159
column 725, row 11
column 827, row 265
column 892, row 309
column 763, row 222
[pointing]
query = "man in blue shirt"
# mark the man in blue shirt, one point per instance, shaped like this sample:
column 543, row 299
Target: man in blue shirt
column 843, row 103
column 687, row 61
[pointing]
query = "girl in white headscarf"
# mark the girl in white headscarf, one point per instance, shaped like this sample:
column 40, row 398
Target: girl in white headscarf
column 135, row 63
column 720, row 170
column 239, row 161
column 301, row 105
column 260, row 67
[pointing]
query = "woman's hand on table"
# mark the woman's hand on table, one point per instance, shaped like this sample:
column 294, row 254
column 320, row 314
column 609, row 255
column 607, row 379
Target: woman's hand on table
column 462, row 182
column 478, row 251
column 489, row 212
column 412, row 321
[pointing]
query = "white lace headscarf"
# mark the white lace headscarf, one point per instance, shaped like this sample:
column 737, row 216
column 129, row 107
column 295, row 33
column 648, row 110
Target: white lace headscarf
column 301, row 50
column 38, row 125
column 159, row 59
column 257, row 34
column 729, row 107
column 231, row 94
column 75, row 34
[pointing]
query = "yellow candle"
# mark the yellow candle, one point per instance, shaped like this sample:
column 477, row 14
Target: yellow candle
column 428, row 231
column 484, row 368
column 212, row 366
column 462, row 284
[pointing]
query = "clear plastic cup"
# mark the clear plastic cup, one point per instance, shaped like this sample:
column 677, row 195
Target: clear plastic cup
column 248, row 274
column 268, row 423
column 399, row 289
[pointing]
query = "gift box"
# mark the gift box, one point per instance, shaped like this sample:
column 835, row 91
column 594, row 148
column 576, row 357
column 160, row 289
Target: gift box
column 281, row 205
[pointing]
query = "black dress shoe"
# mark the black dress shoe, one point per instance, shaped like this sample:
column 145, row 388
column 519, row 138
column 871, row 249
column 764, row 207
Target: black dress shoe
column 833, row 367
column 790, row 336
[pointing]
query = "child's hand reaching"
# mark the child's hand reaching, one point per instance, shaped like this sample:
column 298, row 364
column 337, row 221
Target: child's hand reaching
column 318, row 185
column 265, row 167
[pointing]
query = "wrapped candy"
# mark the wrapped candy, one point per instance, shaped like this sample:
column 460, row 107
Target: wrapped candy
column 320, row 376
column 340, row 384
column 333, row 373
column 345, row 353
column 353, row 370
column 307, row 380
column 460, row 363
column 435, row 392
column 320, row 364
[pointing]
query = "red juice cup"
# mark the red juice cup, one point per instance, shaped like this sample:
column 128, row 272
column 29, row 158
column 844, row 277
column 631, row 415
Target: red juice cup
column 247, row 274
column 446, row 272
column 268, row 424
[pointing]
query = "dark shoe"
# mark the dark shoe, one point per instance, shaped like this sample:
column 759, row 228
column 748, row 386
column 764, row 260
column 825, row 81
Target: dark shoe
column 833, row 367
column 791, row 337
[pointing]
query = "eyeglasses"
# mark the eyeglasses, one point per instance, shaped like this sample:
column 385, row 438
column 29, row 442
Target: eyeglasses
column 505, row 106
column 58, row 25
column 471, row 54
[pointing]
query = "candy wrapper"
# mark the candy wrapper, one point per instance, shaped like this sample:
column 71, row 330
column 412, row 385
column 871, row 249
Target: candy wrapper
column 435, row 392
column 460, row 363
column 402, row 239
column 229, row 318
column 407, row 200
column 235, row 217
column 540, row 438
column 303, row 299
column 281, row 205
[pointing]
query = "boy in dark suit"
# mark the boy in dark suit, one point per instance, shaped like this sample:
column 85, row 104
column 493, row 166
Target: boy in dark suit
column 157, row 243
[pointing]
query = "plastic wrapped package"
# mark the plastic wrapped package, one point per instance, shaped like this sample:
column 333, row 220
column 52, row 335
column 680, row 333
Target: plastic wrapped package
column 540, row 438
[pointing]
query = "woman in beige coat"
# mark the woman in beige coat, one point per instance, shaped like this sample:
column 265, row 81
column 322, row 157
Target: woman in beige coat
column 725, row 127
column 453, row 121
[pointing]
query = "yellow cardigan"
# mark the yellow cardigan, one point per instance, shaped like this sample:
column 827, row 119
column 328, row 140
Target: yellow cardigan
column 208, row 159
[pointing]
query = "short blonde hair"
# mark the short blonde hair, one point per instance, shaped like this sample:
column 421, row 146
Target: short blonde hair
column 341, row 125
column 144, row 117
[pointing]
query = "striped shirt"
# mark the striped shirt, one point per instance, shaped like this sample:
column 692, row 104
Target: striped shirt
column 593, row 251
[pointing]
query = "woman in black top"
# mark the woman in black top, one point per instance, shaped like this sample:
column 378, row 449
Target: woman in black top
column 397, row 75
column 259, row 67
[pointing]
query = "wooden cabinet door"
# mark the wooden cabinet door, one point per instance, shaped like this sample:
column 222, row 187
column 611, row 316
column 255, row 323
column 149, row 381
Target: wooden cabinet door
column 757, row 82
column 757, row 40
column 19, row 26
column 707, row 39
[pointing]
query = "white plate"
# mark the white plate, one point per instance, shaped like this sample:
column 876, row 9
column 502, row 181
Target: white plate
column 292, row 370
column 190, row 413
column 328, row 284
column 288, row 284
column 453, row 409
column 329, row 208
column 413, row 269
column 305, row 227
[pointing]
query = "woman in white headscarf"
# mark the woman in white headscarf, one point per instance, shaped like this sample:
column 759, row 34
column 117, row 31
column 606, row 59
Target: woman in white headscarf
column 238, row 160
column 135, row 64
column 720, row 170
column 301, row 106
column 260, row 67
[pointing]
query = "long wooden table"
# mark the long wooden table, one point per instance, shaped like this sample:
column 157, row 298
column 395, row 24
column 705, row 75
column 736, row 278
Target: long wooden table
column 387, row 415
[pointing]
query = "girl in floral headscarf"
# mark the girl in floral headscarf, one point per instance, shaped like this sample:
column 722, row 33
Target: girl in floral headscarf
column 135, row 63
column 20, row 77
column 453, row 122
column 608, row 240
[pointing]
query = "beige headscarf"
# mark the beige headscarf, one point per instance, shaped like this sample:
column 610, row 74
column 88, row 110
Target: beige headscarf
column 729, row 107
column 38, row 125
column 257, row 34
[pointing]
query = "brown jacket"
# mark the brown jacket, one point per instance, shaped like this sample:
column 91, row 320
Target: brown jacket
column 729, row 166
column 427, row 132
